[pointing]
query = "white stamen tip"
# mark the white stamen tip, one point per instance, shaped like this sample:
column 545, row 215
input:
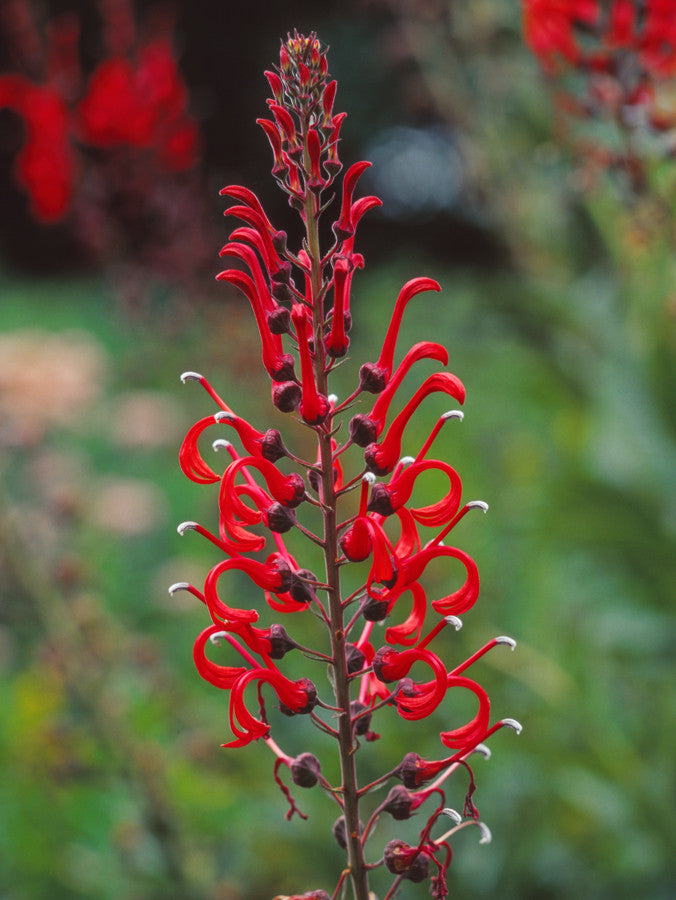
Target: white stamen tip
column 406, row 460
column 369, row 478
column 512, row 723
column 215, row 638
column 186, row 526
column 223, row 416
column 486, row 836
column 452, row 814
column 454, row 621
column 191, row 376
column 332, row 398
column 478, row 504
column 482, row 750
column 179, row 586
column 508, row 641
column 221, row 444
column 454, row 414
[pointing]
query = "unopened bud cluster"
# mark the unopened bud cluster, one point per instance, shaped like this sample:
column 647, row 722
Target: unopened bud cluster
column 301, row 303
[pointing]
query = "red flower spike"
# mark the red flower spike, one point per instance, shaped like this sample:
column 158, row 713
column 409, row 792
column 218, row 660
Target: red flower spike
column 332, row 163
column 278, row 364
column 289, row 490
column 273, row 135
column 244, row 195
column 455, row 603
column 223, row 542
column 422, row 350
column 286, row 123
column 344, row 227
column 409, row 541
column 268, row 444
column 356, row 543
column 337, row 342
column 387, row 498
column 408, row 633
column 195, row 376
column 381, row 458
column 314, row 407
column 221, row 676
column 258, row 221
column 272, row 576
column 374, row 376
column 315, row 182
column 366, row 428
column 469, row 735
column 248, row 256
column 327, row 101
column 275, row 83
column 190, row 460
column 414, row 701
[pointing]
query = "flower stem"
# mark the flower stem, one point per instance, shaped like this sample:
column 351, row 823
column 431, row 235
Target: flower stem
column 358, row 872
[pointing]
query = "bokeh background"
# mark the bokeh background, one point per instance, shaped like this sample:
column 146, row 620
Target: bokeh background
column 558, row 309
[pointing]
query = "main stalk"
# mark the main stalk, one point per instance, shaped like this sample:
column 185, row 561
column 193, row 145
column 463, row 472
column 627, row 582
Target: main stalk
column 358, row 871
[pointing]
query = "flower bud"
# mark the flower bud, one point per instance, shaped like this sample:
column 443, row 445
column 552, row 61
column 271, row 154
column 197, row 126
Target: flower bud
column 280, row 642
column 272, row 446
column 286, row 396
column 300, row 590
column 310, row 692
column 398, row 803
column 278, row 518
column 362, row 430
column 375, row 610
column 305, row 770
column 363, row 723
column 279, row 320
column 379, row 501
column 340, row 832
column 372, row 378
column 402, row 859
column 355, row 658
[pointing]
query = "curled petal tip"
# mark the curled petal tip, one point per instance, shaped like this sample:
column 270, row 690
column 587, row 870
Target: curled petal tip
column 178, row 586
column 221, row 444
column 486, row 836
column 191, row 376
column 483, row 750
column 454, row 414
column 508, row 641
column 478, row 504
column 186, row 526
column 452, row 814
column 454, row 621
column 512, row 723
column 223, row 416
column 216, row 637
column 406, row 460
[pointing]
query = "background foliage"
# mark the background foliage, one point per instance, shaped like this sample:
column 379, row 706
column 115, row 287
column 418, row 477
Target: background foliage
column 558, row 308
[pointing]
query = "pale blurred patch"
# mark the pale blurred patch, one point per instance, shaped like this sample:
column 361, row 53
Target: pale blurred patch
column 146, row 419
column 46, row 380
column 128, row 506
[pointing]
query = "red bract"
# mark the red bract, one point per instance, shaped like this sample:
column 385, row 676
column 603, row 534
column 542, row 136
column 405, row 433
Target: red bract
column 302, row 307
